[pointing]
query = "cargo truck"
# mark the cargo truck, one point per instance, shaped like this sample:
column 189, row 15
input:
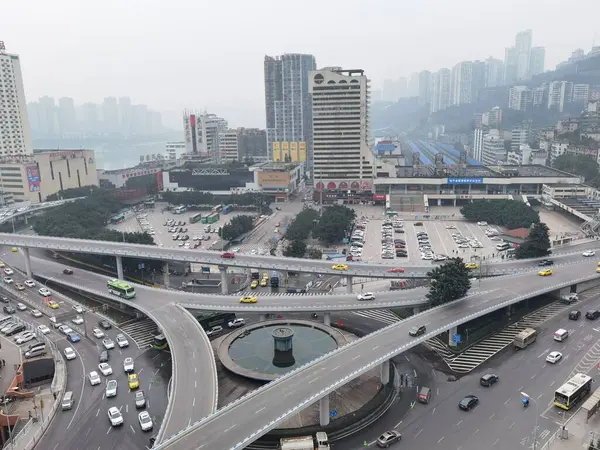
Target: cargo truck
column 319, row 442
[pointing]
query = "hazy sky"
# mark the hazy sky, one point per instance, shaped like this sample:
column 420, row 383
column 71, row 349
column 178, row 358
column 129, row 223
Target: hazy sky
column 209, row 55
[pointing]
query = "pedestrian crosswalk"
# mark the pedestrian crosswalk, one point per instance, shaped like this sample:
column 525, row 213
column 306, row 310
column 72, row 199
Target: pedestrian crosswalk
column 382, row 315
column 142, row 332
column 262, row 293
column 484, row 350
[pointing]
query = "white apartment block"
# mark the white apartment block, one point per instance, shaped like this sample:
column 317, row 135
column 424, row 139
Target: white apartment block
column 174, row 150
column 15, row 134
column 494, row 72
column 202, row 134
column 557, row 149
column 228, row 145
column 520, row 98
column 559, row 93
column 441, row 90
column 342, row 158
column 525, row 155
column 581, row 93
column 462, row 74
column 493, row 151
column 478, row 144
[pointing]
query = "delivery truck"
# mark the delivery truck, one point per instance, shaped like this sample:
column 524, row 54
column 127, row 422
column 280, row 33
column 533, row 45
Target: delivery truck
column 319, row 442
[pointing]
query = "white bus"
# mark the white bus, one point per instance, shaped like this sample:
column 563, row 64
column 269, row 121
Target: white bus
column 180, row 209
column 571, row 393
column 524, row 338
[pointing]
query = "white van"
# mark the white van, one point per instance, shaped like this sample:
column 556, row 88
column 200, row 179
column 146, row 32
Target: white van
column 503, row 246
column 560, row 335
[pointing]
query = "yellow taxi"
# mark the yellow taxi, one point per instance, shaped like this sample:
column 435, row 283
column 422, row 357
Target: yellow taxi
column 545, row 272
column 263, row 282
column 265, row 276
column 52, row 304
column 19, row 287
column 14, row 249
column 254, row 284
column 471, row 266
column 2, row 265
column 597, row 269
column 340, row 267
column 249, row 299
column 133, row 381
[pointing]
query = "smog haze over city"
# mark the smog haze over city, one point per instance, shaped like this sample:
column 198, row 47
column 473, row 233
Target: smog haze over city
column 209, row 55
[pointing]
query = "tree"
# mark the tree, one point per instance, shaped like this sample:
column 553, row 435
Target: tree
column 302, row 225
column 295, row 249
column 582, row 165
column 334, row 223
column 537, row 243
column 315, row 253
column 236, row 227
column 508, row 213
column 449, row 282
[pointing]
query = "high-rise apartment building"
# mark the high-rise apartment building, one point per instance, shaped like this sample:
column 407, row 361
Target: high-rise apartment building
column 202, row 134
column 523, row 48
column 493, row 151
column 342, row 158
column 537, row 59
column 520, row 135
column 559, row 93
column 520, row 98
column 47, row 116
column 494, row 73
column 287, row 101
column 110, row 115
column 413, row 85
column 478, row 143
column 424, row 87
column 477, row 79
column 228, row 145
column 15, row 135
column 441, row 90
column 252, row 144
column 510, row 65
column 67, row 120
column 125, row 114
column 461, row 83
column 581, row 93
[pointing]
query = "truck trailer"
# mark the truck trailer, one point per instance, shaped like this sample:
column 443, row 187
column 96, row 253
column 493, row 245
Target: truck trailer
column 319, row 442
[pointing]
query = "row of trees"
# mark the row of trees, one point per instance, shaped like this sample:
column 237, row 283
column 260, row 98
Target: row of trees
column 237, row 226
column 207, row 198
column 507, row 213
column 298, row 231
column 336, row 221
column 582, row 165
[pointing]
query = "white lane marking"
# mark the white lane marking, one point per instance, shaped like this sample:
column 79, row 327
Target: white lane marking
column 131, row 426
column 459, row 422
column 313, row 380
column 83, row 383
column 416, row 435
column 230, row 428
column 336, row 367
column 492, row 416
column 441, row 439
column 506, row 402
column 433, row 412
column 194, row 402
column 261, row 409
column 398, row 424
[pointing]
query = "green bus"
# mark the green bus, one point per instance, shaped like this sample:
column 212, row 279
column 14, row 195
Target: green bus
column 160, row 342
column 121, row 288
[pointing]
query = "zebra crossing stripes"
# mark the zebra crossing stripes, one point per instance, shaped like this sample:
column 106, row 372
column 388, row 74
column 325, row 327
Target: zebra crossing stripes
column 142, row 332
column 385, row 316
column 270, row 293
column 589, row 360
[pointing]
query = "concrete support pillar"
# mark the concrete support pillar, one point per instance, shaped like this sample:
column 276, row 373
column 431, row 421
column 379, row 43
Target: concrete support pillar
column 454, row 201
column 439, row 202
column 416, row 310
column 120, row 275
column 451, row 334
column 349, row 285
column 324, row 411
column 166, row 275
column 224, row 281
column 26, row 220
column 262, row 318
column 27, row 262
column 385, row 372
column 327, row 318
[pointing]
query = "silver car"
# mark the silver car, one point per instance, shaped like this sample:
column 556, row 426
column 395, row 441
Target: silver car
column 111, row 388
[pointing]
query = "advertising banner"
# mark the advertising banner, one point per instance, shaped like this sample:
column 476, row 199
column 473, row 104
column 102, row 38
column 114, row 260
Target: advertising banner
column 281, row 179
column 469, row 180
column 379, row 197
column 33, row 178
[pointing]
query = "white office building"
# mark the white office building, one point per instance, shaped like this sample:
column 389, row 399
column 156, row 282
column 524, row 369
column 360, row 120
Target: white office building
column 441, row 90
column 342, row 159
column 520, row 98
column 581, row 93
column 15, row 134
column 202, row 134
column 537, row 58
column 523, row 48
column 462, row 83
column 525, row 155
column 493, row 151
column 559, row 93
column 494, row 72
column 478, row 144
column 228, row 145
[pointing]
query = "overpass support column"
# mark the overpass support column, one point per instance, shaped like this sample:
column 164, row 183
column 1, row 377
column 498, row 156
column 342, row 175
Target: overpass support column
column 451, row 335
column 262, row 318
column 27, row 262
column 224, row 284
column 166, row 275
column 385, row 372
column 324, row 411
column 119, row 268
column 327, row 318
column 439, row 202
column 416, row 310
column 349, row 285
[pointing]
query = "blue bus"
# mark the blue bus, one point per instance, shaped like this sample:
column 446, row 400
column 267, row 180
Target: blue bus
column 274, row 279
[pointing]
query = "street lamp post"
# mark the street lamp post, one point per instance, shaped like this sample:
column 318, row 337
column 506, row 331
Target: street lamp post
column 536, row 419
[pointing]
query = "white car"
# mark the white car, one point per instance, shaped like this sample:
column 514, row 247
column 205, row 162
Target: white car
column 21, row 307
column 65, row 329
column 8, row 280
column 366, row 296
column 98, row 333
column 36, row 313
column 70, row 353
column 128, row 365
column 29, row 283
column 94, row 378
column 236, row 323
column 115, row 417
column 77, row 320
column 482, row 224
column 108, row 343
column 9, row 271
column 111, row 388
column 44, row 292
column 25, row 337
column 589, row 253
column 78, row 309
column 145, row 421
column 43, row 329
column 105, row 369
column 122, row 341
column 554, row 357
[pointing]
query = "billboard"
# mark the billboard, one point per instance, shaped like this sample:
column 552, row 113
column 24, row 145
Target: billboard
column 274, row 179
column 33, row 178
column 379, row 197
column 289, row 151
column 468, row 180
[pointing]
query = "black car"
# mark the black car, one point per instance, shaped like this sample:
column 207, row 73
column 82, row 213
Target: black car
column 488, row 379
column 592, row 315
column 574, row 315
column 546, row 262
column 468, row 403
column 68, row 272
column 104, row 355
column 105, row 324
column 9, row 309
column 4, row 299
column 417, row 331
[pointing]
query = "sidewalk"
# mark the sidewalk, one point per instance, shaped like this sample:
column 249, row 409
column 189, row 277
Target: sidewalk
column 580, row 433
